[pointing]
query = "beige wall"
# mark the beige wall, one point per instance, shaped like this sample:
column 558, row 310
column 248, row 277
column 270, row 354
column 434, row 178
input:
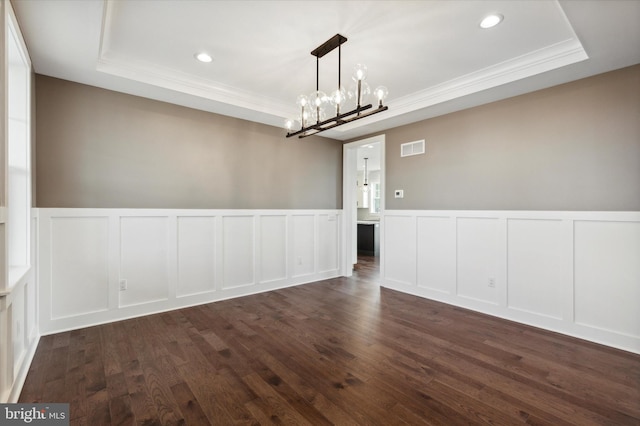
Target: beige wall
column 569, row 147
column 98, row 148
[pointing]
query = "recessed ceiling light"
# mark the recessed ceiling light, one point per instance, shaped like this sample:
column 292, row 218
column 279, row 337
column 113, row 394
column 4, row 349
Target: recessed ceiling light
column 203, row 57
column 491, row 20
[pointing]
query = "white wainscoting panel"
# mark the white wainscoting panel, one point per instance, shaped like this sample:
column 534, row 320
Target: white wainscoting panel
column 144, row 259
column 303, row 244
column 238, row 251
column 535, row 271
column 576, row 273
column 607, row 277
column 79, row 265
column 477, row 264
column 31, row 314
column 18, row 335
column 436, row 253
column 173, row 258
column 196, row 255
column 327, row 238
column 273, row 248
column 399, row 249
column 18, row 324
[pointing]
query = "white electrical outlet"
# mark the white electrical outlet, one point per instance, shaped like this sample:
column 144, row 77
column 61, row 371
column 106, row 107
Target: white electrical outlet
column 492, row 282
column 123, row 285
column 399, row 193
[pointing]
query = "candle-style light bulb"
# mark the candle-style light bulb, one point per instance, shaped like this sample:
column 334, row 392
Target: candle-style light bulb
column 381, row 93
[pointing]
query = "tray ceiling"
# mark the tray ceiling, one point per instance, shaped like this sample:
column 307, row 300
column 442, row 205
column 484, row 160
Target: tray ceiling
column 432, row 55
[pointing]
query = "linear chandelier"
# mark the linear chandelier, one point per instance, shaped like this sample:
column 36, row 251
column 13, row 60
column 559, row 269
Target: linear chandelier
column 313, row 119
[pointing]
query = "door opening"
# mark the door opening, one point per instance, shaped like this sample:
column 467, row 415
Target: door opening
column 359, row 205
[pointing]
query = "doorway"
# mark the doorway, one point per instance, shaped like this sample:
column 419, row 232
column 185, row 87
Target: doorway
column 353, row 168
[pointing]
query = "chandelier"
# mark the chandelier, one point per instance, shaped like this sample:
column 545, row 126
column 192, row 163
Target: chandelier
column 313, row 117
column 365, row 185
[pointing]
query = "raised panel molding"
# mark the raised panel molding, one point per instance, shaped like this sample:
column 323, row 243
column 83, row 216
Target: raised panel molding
column 238, row 251
column 304, row 237
column 399, row 249
column 535, row 251
column 144, row 259
column 173, row 258
column 576, row 273
column 196, row 255
column 273, row 249
column 477, row 258
column 79, row 266
column 436, row 254
column 17, row 333
column 328, row 226
column 607, row 276
column 18, row 327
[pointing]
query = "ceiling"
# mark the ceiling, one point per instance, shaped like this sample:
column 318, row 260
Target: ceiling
column 432, row 55
column 371, row 152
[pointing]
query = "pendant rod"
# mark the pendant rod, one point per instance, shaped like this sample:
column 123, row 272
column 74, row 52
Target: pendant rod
column 317, row 89
column 339, row 64
column 338, row 93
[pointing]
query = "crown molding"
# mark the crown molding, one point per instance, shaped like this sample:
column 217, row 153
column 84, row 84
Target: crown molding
column 157, row 75
column 555, row 56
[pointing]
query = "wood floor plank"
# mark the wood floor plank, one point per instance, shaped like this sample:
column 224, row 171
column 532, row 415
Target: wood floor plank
column 342, row 351
column 117, row 385
column 553, row 402
column 143, row 408
column 404, row 416
column 234, row 393
column 189, row 405
column 159, row 390
column 306, row 390
column 273, row 405
column 111, row 359
column 204, row 383
column 120, row 411
column 98, row 410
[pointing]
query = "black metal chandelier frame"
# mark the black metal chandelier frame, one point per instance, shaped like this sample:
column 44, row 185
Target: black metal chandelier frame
column 361, row 111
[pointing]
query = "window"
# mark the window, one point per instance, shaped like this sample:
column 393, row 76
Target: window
column 19, row 154
column 375, row 198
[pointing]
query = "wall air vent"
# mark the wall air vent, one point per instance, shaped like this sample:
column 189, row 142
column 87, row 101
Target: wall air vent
column 412, row 148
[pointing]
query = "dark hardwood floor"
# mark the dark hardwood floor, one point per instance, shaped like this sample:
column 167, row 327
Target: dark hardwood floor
column 341, row 351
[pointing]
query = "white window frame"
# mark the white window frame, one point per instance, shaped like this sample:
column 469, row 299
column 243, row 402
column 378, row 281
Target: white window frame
column 18, row 153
